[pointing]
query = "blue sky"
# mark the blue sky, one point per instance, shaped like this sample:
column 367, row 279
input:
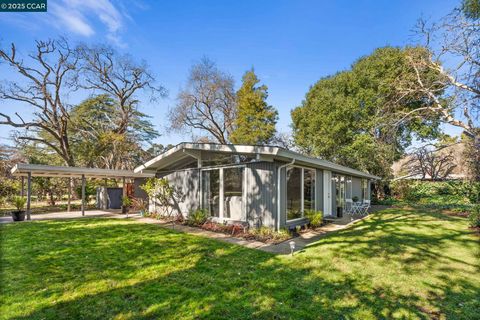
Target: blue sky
column 291, row 44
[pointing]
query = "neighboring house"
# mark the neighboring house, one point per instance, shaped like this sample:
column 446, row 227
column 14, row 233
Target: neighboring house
column 259, row 185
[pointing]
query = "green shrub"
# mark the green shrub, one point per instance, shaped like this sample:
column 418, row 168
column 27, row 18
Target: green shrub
column 389, row 201
column 268, row 234
column 474, row 217
column 19, row 202
column 469, row 190
column 315, row 217
column 446, row 188
column 126, row 201
column 197, row 217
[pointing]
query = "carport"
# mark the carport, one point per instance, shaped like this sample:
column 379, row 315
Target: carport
column 28, row 171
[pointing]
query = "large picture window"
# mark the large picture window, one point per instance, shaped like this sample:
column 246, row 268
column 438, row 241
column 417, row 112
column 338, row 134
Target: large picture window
column 222, row 192
column 300, row 187
column 233, row 193
column 308, row 189
column 294, row 193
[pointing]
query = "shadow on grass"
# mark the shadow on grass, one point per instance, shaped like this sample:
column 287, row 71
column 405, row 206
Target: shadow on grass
column 100, row 269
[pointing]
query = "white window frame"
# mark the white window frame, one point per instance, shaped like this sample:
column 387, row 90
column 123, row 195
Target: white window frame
column 302, row 191
column 222, row 191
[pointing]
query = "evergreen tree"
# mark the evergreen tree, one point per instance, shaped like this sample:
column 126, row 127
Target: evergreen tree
column 255, row 121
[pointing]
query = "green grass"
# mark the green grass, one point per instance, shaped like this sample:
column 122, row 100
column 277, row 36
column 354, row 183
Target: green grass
column 395, row 264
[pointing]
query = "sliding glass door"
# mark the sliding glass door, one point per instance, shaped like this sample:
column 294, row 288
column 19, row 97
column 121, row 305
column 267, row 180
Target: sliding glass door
column 300, row 187
column 211, row 191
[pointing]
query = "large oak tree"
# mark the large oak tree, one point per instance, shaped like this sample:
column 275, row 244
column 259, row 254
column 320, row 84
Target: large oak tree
column 347, row 117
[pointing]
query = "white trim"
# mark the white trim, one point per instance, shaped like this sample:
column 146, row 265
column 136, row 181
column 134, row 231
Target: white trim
column 279, row 190
column 38, row 170
column 327, row 191
column 221, row 200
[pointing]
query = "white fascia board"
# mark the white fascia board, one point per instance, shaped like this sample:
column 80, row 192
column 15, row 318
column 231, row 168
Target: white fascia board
column 326, row 164
column 161, row 156
column 209, row 147
column 266, row 152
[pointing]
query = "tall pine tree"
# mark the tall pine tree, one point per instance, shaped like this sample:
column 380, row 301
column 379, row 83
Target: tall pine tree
column 255, row 121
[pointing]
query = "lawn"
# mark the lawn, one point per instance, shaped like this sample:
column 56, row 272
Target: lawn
column 395, row 264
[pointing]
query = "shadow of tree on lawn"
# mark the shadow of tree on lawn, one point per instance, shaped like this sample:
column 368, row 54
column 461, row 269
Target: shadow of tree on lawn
column 100, row 269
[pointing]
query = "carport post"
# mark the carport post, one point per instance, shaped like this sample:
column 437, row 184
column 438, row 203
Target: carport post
column 29, row 194
column 22, row 192
column 69, row 194
column 83, row 194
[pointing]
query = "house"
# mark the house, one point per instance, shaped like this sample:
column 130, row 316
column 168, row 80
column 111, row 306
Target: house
column 259, row 185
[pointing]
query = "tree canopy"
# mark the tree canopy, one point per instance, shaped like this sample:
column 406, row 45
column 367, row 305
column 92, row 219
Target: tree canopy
column 109, row 127
column 98, row 141
column 207, row 103
column 347, row 117
column 255, row 120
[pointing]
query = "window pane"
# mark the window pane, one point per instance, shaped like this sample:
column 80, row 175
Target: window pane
column 218, row 158
column 309, row 189
column 211, row 191
column 232, row 192
column 294, row 193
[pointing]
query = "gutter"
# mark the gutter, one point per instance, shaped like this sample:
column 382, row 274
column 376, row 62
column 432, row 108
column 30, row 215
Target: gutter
column 278, row 190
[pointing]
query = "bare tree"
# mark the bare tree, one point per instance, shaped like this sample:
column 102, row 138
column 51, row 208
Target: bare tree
column 284, row 140
column 44, row 85
column 428, row 162
column 454, row 58
column 119, row 76
column 207, row 103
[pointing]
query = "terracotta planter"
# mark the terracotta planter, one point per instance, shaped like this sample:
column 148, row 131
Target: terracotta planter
column 18, row 215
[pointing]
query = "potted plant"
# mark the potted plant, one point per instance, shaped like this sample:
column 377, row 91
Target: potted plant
column 355, row 199
column 19, row 203
column 126, row 203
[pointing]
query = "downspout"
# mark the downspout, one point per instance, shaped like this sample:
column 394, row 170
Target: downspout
column 279, row 190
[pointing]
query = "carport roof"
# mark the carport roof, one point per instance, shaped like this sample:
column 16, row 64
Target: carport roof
column 38, row 170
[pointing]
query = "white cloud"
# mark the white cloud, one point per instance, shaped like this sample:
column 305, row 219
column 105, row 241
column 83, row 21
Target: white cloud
column 79, row 17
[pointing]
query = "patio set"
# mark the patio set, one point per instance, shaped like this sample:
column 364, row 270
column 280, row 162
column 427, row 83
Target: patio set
column 357, row 208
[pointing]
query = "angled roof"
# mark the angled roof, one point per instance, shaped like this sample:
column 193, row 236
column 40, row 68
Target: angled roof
column 186, row 150
column 38, row 170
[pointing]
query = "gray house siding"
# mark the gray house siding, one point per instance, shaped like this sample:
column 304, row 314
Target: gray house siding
column 137, row 191
column 261, row 198
column 187, row 186
column 261, row 194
